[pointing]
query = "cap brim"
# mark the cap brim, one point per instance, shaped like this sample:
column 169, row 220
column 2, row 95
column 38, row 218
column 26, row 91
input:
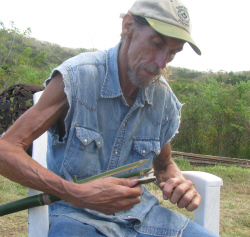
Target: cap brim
column 174, row 32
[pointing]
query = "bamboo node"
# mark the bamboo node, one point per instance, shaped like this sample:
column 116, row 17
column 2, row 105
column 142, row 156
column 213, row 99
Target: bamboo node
column 46, row 199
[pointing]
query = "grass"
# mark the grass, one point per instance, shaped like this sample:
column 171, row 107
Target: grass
column 13, row 225
column 234, row 212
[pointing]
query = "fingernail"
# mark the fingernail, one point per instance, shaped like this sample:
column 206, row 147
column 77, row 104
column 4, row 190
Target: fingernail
column 134, row 180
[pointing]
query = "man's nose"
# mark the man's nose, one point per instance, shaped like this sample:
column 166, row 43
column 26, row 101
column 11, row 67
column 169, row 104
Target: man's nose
column 162, row 59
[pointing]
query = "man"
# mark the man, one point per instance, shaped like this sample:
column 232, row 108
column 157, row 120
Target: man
column 104, row 110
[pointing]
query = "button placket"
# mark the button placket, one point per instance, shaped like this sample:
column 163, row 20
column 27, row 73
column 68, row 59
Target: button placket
column 120, row 139
column 117, row 147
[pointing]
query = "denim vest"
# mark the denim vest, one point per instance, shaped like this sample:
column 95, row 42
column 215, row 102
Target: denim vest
column 103, row 133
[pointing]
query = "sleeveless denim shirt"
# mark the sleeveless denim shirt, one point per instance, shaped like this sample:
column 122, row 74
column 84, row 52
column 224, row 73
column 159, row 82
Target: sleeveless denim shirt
column 103, row 133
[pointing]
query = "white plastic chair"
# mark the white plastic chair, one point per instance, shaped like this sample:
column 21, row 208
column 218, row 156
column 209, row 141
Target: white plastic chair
column 208, row 186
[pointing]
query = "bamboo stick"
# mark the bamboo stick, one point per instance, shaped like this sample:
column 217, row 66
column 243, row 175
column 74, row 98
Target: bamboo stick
column 146, row 180
column 115, row 171
column 135, row 173
column 47, row 199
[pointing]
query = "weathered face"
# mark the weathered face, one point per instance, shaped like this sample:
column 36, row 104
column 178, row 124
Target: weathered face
column 148, row 53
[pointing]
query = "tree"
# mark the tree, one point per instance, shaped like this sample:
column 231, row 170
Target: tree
column 215, row 119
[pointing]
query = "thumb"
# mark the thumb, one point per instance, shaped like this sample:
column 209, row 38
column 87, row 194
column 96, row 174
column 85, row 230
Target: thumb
column 131, row 182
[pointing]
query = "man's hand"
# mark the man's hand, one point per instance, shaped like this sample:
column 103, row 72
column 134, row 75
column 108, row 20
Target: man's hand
column 181, row 192
column 175, row 187
column 107, row 195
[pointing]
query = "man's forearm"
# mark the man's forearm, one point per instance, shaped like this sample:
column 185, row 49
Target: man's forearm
column 163, row 173
column 164, row 166
column 16, row 165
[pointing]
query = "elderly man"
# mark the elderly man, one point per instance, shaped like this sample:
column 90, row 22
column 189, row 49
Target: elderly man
column 104, row 110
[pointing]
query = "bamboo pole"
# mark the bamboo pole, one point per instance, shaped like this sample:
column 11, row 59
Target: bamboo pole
column 47, row 199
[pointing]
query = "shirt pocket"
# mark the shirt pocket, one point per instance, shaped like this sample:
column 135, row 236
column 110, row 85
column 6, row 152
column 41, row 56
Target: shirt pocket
column 145, row 149
column 82, row 157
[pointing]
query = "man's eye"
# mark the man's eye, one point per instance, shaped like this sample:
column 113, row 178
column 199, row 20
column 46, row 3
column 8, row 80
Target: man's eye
column 158, row 44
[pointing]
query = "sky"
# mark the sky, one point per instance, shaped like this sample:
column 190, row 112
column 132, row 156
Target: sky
column 220, row 28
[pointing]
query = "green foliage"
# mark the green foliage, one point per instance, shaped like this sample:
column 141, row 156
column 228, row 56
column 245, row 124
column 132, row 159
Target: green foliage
column 231, row 78
column 25, row 59
column 184, row 73
column 16, row 61
column 215, row 118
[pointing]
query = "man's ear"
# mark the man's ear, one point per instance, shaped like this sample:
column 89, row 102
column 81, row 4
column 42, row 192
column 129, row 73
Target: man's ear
column 128, row 25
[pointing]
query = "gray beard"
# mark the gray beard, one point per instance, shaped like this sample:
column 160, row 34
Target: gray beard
column 144, row 82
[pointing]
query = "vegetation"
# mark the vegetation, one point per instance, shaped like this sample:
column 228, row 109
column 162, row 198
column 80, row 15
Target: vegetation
column 215, row 118
column 26, row 60
column 14, row 224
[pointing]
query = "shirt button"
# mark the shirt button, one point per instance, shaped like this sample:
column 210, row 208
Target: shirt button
column 124, row 125
column 116, row 152
column 98, row 143
column 143, row 151
column 85, row 140
column 159, row 151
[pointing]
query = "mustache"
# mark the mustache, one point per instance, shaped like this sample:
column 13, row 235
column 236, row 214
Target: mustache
column 152, row 69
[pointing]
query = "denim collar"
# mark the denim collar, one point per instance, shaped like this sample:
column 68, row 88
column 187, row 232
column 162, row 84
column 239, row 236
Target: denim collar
column 111, row 86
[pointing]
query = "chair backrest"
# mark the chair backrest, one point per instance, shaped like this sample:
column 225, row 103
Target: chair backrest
column 38, row 221
column 208, row 186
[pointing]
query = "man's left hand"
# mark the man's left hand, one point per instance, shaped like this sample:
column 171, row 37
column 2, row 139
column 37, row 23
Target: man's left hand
column 181, row 192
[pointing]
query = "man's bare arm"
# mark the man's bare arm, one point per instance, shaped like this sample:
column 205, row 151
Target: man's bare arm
column 175, row 187
column 14, row 162
column 107, row 196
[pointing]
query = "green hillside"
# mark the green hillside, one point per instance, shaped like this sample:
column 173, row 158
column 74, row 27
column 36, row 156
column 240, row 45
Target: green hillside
column 24, row 59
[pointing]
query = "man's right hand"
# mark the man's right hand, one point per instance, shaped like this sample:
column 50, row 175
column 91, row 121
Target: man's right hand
column 107, row 195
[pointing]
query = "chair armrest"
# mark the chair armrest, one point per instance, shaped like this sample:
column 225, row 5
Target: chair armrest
column 208, row 186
